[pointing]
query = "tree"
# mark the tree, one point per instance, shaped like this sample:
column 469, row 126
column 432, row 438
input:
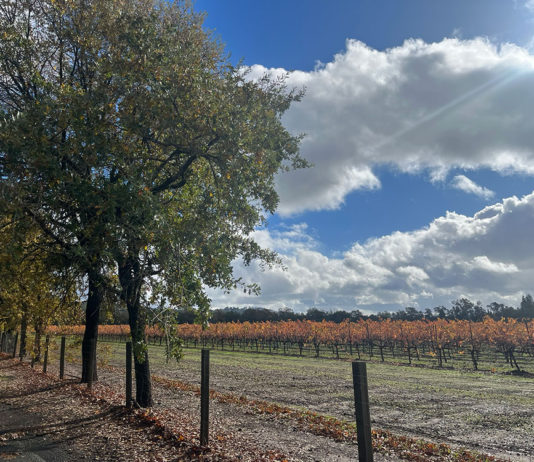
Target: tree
column 287, row 314
column 464, row 308
column 55, row 139
column 355, row 315
column 201, row 177
column 441, row 312
column 31, row 292
column 526, row 309
column 429, row 314
column 478, row 312
column 499, row 310
column 315, row 314
column 139, row 149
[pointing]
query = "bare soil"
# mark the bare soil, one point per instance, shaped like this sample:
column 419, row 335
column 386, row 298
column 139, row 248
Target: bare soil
column 489, row 413
column 84, row 426
column 484, row 412
column 44, row 419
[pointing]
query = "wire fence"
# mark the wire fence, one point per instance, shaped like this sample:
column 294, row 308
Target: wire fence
column 487, row 410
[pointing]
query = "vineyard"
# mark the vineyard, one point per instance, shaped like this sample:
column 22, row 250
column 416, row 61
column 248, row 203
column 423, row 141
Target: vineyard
column 440, row 342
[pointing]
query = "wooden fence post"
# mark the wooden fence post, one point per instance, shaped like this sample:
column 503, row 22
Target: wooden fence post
column 3, row 342
column 204, row 397
column 62, row 358
column 14, row 354
column 45, row 362
column 129, row 374
column 363, row 419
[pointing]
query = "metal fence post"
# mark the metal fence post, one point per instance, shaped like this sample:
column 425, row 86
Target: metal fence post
column 204, row 397
column 363, row 419
column 62, row 358
column 129, row 374
column 45, row 362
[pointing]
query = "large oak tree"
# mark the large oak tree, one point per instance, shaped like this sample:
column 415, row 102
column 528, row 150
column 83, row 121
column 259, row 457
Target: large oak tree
column 133, row 143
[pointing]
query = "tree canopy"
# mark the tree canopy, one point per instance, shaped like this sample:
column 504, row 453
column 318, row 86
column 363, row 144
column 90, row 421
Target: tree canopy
column 32, row 292
column 138, row 149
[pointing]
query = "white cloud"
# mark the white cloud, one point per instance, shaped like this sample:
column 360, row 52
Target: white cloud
column 467, row 185
column 529, row 4
column 419, row 107
column 485, row 264
column 487, row 257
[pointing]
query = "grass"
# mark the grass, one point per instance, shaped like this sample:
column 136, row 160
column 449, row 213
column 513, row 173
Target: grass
column 456, row 384
column 503, row 421
column 489, row 359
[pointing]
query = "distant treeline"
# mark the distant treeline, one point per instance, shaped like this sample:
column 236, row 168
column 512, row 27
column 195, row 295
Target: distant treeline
column 460, row 309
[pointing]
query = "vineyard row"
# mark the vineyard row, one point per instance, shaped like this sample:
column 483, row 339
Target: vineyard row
column 439, row 339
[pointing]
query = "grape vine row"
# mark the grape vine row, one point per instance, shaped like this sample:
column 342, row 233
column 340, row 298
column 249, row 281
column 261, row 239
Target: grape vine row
column 439, row 339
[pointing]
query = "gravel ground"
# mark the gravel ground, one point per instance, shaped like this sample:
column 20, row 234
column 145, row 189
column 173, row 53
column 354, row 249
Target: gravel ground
column 488, row 413
column 79, row 428
column 42, row 419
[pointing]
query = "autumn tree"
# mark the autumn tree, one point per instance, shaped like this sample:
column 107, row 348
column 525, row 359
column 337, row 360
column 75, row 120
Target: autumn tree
column 136, row 147
column 205, row 145
column 32, row 292
column 56, row 139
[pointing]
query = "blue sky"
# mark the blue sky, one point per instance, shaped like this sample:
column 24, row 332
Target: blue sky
column 295, row 34
column 417, row 117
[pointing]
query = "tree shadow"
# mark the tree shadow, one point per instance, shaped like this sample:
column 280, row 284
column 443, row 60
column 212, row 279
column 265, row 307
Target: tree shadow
column 61, row 426
column 35, row 391
column 11, row 364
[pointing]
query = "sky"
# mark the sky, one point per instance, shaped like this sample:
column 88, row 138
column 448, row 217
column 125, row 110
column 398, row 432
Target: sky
column 418, row 120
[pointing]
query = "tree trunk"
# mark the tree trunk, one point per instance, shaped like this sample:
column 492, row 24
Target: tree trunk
column 474, row 359
column 143, row 384
column 90, row 336
column 37, row 347
column 23, row 329
column 131, row 283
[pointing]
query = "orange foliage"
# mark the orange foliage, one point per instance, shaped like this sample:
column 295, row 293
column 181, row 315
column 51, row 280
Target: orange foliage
column 505, row 333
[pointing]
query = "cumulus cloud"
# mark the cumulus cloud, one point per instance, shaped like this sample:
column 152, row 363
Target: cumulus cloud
column 467, row 185
column 419, row 107
column 488, row 256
